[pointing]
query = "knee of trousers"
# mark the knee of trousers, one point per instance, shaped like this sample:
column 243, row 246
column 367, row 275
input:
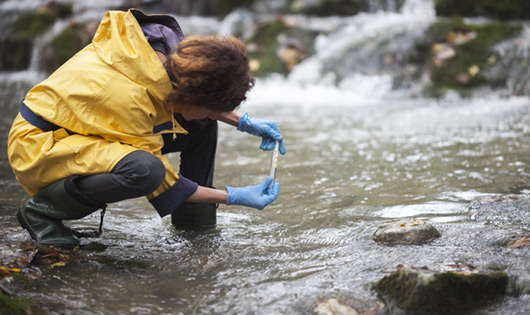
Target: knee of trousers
column 141, row 171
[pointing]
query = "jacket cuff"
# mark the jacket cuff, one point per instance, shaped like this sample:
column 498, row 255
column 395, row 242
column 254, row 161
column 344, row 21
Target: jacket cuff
column 171, row 199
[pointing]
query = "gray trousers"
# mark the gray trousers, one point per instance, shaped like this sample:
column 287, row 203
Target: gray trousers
column 140, row 173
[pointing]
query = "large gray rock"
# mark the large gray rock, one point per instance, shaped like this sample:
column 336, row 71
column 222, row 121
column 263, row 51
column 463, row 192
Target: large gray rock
column 412, row 232
column 449, row 289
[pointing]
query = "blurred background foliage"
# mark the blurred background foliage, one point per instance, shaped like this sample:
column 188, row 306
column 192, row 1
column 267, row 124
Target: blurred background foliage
column 456, row 52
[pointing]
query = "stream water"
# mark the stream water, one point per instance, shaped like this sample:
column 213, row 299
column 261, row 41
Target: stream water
column 356, row 157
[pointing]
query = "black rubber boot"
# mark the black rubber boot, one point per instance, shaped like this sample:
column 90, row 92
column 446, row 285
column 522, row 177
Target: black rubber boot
column 195, row 216
column 42, row 214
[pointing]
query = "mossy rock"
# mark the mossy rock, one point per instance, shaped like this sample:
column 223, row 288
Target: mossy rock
column 222, row 8
column 15, row 53
column 511, row 9
column 29, row 25
column 328, row 7
column 263, row 46
column 66, row 44
column 456, row 291
column 470, row 59
column 16, row 46
column 267, row 41
column 341, row 7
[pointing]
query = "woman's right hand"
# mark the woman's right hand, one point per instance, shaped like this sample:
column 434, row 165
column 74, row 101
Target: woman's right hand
column 257, row 196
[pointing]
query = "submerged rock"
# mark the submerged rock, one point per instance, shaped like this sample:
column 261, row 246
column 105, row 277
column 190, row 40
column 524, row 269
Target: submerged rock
column 347, row 306
column 412, row 232
column 332, row 306
column 450, row 289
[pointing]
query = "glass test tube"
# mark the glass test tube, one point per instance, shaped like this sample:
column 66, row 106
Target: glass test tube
column 274, row 161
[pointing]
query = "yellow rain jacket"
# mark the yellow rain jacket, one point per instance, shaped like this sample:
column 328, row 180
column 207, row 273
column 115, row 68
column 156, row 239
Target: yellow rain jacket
column 105, row 102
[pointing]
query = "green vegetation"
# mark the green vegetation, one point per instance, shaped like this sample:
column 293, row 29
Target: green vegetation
column 463, row 70
column 266, row 44
column 222, row 8
column 277, row 47
column 341, row 7
column 510, row 9
column 28, row 25
column 15, row 48
column 332, row 7
column 65, row 45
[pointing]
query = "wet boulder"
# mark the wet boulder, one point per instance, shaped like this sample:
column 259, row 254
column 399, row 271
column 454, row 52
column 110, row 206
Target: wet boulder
column 412, row 232
column 447, row 289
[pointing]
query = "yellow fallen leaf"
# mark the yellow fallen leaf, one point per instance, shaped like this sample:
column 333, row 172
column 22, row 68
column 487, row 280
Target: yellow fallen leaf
column 473, row 70
column 58, row 264
column 492, row 59
column 15, row 270
column 254, row 64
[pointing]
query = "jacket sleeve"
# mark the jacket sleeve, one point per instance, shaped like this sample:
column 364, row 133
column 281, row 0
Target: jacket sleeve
column 172, row 192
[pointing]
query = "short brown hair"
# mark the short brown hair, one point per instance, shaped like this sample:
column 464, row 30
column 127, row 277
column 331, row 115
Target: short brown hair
column 210, row 71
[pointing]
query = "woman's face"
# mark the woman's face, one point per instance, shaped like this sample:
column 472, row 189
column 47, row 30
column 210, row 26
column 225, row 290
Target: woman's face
column 190, row 112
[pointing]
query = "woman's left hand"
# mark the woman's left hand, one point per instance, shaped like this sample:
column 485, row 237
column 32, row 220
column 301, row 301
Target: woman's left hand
column 268, row 130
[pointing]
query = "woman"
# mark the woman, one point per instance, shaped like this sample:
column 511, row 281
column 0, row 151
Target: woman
column 95, row 131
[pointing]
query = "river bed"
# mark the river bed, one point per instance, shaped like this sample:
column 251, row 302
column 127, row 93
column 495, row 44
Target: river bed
column 352, row 163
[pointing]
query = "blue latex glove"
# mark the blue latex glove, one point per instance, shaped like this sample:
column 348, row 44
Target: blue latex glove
column 257, row 196
column 268, row 130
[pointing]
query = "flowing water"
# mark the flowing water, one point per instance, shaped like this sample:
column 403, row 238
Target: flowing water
column 357, row 156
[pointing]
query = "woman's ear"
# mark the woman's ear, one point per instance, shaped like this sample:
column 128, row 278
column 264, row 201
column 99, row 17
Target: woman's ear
column 161, row 56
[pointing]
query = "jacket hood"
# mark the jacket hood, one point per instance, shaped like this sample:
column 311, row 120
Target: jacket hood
column 120, row 43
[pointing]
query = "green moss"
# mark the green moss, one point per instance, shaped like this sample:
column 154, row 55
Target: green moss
column 15, row 53
column 511, row 9
column 472, row 53
column 265, row 40
column 16, row 306
column 270, row 36
column 340, row 7
column 222, row 8
column 29, row 25
column 65, row 45
column 15, row 48
column 334, row 8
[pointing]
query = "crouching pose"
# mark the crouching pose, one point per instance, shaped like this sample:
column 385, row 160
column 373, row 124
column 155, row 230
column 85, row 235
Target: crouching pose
column 97, row 129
